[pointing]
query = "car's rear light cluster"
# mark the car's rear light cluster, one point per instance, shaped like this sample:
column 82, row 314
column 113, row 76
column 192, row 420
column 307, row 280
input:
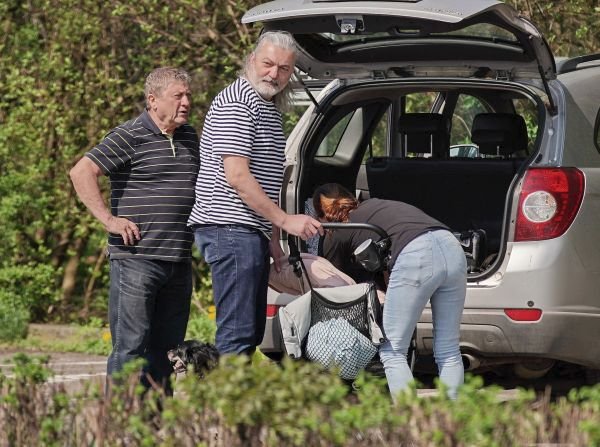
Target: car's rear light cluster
column 272, row 310
column 530, row 315
column 549, row 202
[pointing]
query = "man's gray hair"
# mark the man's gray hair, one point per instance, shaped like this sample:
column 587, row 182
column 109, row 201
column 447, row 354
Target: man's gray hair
column 284, row 40
column 159, row 79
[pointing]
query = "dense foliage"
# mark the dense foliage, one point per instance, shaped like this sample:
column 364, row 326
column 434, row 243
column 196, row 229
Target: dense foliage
column 291, row 405
column 71, row 70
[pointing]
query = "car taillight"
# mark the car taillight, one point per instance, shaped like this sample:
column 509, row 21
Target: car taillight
column 548, row 203
column 523, row 314
column 272, row 310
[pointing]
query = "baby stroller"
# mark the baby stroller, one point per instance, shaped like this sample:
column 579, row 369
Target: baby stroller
column 340, row 326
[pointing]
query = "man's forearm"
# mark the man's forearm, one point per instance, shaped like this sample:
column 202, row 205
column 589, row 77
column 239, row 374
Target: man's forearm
column 85, row 182
column 255, row 197
column 249, row 190
column 239, row 177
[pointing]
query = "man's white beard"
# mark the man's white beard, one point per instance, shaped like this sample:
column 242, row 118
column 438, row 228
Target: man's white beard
column 264, row 86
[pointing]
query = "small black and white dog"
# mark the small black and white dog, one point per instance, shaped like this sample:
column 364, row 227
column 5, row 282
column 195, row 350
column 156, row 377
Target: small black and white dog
column 202, row 357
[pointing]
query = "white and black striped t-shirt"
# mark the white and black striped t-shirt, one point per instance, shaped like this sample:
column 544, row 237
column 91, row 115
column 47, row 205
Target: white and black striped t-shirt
column 152, row 184
column 239, row 122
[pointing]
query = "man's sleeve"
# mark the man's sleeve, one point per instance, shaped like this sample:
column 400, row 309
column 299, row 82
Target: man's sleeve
column 113, row 153
column 234, row 126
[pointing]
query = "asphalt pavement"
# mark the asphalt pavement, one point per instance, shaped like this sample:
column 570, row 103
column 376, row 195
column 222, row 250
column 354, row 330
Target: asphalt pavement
column 75, row 370
column 72, row 369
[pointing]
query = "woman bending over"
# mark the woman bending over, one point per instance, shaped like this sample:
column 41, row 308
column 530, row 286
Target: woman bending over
column 427, row 264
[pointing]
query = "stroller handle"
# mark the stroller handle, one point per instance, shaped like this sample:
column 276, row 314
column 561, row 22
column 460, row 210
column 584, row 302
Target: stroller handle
column 356, row 226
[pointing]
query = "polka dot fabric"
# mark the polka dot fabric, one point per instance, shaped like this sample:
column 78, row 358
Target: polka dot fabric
column 336, row 343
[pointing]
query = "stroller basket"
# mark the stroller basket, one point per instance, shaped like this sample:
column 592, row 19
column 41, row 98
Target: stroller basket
column 355, row 312
column 296, row 318
column 357, row 304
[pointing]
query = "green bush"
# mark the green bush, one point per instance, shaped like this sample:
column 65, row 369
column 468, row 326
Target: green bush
column 201, row 327
column 32, row 285
column 293, row 404
column 281, row 404
column 14, row 317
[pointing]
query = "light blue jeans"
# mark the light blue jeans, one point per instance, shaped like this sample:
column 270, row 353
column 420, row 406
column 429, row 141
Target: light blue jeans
column 432, row 268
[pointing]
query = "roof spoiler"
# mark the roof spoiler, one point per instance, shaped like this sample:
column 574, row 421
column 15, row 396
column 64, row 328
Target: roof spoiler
column 572, row 64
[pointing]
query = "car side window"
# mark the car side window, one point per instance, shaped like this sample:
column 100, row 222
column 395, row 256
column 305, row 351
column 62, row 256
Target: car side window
column 421, row 102
column 332, row 140
column 378, row 146
column 527, row 109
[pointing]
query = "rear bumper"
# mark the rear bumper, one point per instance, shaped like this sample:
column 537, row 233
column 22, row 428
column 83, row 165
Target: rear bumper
column 567, row 336
column 272, row 341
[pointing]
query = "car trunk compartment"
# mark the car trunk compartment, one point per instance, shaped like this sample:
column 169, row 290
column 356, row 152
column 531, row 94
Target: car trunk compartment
column 469, row 194
column 465, row 195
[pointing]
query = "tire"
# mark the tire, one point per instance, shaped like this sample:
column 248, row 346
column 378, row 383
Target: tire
column 274, row 356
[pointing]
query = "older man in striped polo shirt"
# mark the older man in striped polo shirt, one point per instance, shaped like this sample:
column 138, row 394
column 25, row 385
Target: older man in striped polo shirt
column 152, row 162
column 236, row 217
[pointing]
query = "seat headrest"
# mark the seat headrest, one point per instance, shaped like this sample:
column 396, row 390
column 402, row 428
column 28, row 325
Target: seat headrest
column 425, row 133
column 499, row 133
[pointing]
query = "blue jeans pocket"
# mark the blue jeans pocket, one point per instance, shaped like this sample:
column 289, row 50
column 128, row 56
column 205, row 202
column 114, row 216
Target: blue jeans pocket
column 414, row 265
column 207, row 242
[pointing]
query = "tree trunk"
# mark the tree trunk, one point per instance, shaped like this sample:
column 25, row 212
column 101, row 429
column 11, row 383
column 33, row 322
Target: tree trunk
column 89, row 289
column 70, row 274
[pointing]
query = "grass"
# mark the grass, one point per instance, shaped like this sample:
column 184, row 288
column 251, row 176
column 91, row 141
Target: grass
column 94, row 338
column 63, row 338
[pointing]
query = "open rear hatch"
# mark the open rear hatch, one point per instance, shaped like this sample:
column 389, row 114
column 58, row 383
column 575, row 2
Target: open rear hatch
column 404, row 38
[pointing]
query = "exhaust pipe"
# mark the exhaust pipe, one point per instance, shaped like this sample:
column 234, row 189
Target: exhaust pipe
column 470, row 363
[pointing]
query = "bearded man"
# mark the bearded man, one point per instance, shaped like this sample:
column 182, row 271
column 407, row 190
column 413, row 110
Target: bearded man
column 236, row 218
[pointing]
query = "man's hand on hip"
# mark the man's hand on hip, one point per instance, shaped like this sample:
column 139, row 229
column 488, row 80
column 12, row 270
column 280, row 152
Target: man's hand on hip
column 126, row 228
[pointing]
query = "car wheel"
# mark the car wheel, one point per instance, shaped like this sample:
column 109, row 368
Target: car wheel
column 274, row 356
column 535, row 369
column 592, row 376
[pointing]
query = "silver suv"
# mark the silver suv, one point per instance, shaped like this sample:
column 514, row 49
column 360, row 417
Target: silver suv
column 411, row 79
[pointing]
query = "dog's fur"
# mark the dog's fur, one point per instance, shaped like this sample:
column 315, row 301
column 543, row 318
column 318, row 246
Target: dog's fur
column 201, row 357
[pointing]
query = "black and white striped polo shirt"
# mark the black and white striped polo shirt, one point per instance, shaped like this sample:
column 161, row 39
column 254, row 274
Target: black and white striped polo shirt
column 152, row 184
column 239, row 122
